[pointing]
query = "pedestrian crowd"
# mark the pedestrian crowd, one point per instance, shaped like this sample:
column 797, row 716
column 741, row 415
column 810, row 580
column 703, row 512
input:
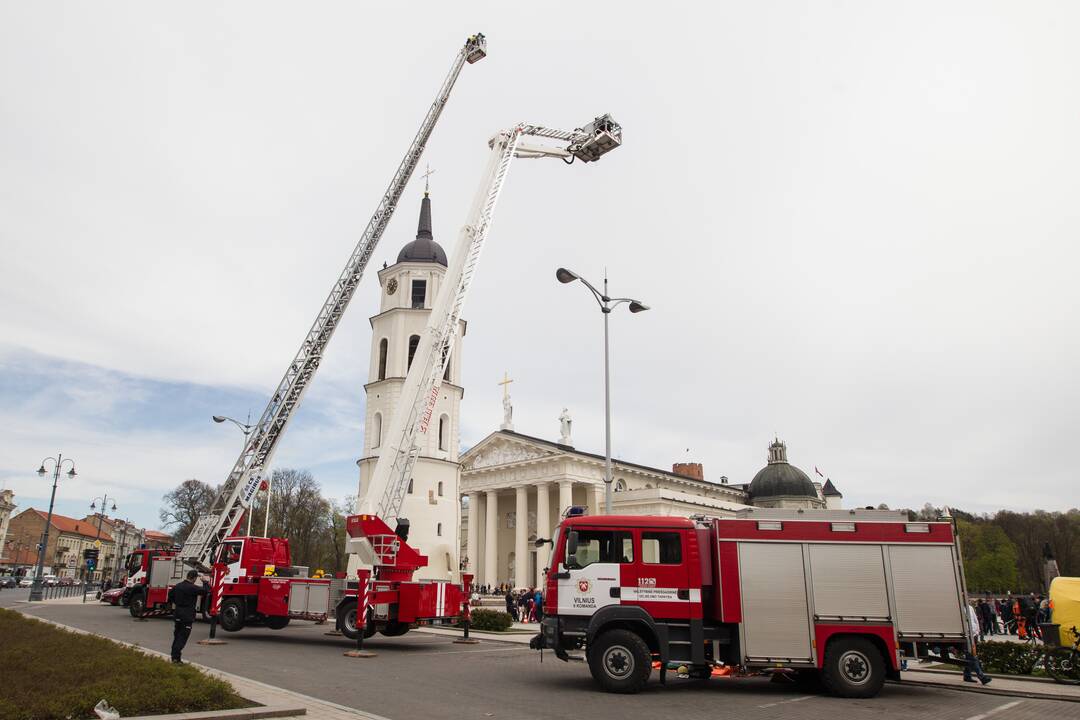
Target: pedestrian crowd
column 1019, row 615
column 524, row 606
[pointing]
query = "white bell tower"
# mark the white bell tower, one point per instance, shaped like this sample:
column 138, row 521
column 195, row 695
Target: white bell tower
column 408, row 288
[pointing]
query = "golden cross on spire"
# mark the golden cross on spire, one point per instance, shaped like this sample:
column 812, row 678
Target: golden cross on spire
column 427, row 175
column 505, row 384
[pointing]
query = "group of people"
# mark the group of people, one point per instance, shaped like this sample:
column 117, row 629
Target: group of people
column 525, row 606
column 1019, row 615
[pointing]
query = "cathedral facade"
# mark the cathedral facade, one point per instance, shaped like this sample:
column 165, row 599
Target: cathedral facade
column 516, row 488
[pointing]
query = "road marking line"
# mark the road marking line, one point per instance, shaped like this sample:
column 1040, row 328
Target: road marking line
column 798, row 699
column 995, row 711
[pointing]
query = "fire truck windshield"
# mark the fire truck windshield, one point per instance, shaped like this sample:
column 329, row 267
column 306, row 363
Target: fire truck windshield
column 133, row 563
column 601, row 546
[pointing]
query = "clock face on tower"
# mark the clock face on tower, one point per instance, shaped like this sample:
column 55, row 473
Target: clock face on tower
column 391, row 286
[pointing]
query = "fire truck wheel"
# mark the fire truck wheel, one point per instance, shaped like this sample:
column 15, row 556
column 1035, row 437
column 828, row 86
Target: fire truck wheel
column 276, row 622
column 137, row 604
column 347, row 621
column 232, row 614
column 620, row 661
column 853, row 668
column 395, row 629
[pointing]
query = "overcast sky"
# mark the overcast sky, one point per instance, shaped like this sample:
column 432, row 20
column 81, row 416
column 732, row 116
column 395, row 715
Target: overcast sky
column 856, row 224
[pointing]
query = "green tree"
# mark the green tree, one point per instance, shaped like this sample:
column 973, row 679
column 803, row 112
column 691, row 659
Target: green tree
column 989, row 557
column 184, row 505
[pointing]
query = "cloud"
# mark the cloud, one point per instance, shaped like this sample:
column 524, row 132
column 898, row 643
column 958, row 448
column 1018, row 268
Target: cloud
column 855, row 227
column 135, row 439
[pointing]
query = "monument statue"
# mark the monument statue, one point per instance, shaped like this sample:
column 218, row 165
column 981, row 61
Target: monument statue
column 564, row 427
column 508, row 409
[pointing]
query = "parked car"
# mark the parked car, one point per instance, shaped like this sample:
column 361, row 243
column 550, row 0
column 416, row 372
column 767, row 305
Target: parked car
column 67, row 581
column 112, row 596
column 50, row 580
column 27, row 581
column 9, row 581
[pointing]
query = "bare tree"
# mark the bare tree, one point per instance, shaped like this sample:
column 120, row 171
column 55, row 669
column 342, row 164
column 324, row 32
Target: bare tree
column 184, row 506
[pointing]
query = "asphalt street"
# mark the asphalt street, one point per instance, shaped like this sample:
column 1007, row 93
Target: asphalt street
column 423, row 675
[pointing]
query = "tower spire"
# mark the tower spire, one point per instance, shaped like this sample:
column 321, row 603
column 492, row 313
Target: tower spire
column 423, row 230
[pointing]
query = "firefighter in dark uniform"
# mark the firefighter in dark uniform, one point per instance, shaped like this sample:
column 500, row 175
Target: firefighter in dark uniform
column 183, row 597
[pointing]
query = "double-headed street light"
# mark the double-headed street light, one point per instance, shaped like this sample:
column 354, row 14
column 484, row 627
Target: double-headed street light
column 607, row 304
column 101, row 519
column 247, row 429
column 58, row 461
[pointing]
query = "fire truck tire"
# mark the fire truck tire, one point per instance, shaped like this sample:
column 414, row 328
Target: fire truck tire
column 395, row 629
column 232, row 614
column 620, row 661
column 276, row 622
column 346, row 618
column 853, row 668
column 137, row 604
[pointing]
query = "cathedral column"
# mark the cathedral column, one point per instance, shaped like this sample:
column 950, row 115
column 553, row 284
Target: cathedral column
column 543, row 530
column 594, row 499
column 491, row 542
column 521, row 537
column 472, row 540
column 566, row 496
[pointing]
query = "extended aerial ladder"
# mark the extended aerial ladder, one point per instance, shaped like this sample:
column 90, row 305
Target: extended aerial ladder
column 236, row 493
column 377, row 544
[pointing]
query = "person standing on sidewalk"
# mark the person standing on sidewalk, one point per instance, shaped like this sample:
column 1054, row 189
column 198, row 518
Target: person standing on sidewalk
column 972, row 664
column 183, row 597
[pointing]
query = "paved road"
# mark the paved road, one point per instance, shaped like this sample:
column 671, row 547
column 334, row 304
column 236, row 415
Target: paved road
column 422, row 675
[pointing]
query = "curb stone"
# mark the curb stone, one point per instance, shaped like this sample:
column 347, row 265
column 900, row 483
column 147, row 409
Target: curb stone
column 1018, row 678
column 241, row 714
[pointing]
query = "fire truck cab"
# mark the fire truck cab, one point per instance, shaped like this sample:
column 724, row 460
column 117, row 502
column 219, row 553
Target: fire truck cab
column 137, row 572
column 834, row 593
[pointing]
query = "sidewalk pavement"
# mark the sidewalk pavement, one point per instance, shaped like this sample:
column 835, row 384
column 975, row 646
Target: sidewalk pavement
column 274, row 699
column 1035, row 688
column 519, row 638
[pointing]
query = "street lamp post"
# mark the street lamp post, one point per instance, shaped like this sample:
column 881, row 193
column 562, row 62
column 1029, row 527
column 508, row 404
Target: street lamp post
column 58, row 461
column 607, row 304
column 101, row 519
column 246, row 428
column 120, row 550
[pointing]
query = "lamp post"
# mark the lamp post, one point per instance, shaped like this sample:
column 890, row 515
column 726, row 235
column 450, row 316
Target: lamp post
column 58, row 461
column 246, row 428
column 101, row 519
column 607, row 304
column 120, row 549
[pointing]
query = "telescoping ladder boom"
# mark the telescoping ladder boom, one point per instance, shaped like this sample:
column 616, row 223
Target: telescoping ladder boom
column 390, row 480
column 236, row 494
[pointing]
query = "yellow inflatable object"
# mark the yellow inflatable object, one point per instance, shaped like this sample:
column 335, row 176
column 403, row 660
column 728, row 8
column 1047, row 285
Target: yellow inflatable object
column 1065, row 596
column 269, row 570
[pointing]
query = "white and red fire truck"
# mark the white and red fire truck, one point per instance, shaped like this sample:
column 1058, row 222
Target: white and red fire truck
column 835, row 594
column 137, row 575
column 253, row 582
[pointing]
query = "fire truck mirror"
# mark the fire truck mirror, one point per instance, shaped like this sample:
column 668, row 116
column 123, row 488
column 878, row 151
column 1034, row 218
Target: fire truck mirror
column 541, row 542
column 571, row 543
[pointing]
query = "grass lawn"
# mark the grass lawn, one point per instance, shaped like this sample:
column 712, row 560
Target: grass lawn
column 47, row 672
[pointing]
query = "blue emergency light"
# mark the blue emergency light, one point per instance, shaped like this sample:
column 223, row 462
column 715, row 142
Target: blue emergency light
column 575, row 510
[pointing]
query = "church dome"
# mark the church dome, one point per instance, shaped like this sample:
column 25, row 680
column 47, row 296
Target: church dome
column 780, row 478
column 423, row 248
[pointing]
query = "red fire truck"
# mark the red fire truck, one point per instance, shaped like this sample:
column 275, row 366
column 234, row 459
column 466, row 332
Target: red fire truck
column 253, row 582
column 836, row 594
column 137, row 569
